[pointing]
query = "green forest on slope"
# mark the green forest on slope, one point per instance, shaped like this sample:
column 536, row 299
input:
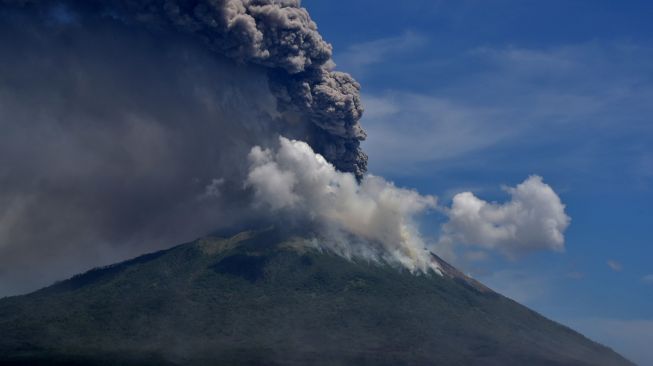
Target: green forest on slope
column 269, row 298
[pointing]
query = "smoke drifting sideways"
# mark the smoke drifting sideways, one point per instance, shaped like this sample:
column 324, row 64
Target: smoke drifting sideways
column 373, row 220
column 378, row 221
column 534, row 219
column 126, row 124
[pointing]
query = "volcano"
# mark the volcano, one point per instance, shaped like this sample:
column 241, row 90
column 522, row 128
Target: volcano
column 273, row 298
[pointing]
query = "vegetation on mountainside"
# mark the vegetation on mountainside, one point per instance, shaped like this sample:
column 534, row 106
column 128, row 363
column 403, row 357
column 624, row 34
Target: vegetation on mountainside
column 268, row 299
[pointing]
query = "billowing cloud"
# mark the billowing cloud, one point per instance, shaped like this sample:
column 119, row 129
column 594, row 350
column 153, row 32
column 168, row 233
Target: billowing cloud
column 125, row 123
column 125, row 127
column 534, row 219
column 373, row 219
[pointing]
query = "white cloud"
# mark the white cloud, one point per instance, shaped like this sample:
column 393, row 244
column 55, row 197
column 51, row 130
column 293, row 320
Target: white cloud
column 614, row 265
column 476, row 256
column 359, row 55
column 380, row 107
column 534, row 219
column 295, row 181
column 648, row 279
column 406, row 128
column 373, row 219
column 575, row 98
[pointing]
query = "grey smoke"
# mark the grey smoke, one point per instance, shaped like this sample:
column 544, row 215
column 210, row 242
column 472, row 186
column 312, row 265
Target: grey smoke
column 126, row 124
column 278, row 34
column 126, row 127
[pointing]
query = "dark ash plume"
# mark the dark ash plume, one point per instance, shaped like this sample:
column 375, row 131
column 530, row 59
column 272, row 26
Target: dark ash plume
column 126, row 124
column 278, row 34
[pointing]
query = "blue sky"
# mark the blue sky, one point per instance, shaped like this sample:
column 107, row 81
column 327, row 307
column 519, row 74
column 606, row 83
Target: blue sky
column 476, row 95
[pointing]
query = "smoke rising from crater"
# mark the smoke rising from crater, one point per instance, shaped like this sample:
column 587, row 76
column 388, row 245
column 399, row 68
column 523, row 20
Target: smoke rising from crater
column 126, row 123
column 127, row 127
column 373, row 219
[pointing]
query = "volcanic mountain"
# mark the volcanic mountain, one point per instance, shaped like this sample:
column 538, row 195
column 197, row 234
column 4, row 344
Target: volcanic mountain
column 271, row 298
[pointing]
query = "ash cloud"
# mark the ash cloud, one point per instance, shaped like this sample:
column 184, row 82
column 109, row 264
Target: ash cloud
column 126, row 123
column 277, row 34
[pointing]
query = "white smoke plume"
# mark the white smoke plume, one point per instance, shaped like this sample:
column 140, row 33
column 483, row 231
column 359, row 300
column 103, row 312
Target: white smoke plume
column 534, row 219
column 373, row 219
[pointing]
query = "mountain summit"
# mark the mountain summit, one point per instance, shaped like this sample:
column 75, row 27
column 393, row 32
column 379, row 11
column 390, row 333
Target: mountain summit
column 270, row 298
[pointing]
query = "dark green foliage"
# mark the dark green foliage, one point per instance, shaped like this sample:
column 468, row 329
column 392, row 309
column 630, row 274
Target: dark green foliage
column 249, row 267
column 266, row 299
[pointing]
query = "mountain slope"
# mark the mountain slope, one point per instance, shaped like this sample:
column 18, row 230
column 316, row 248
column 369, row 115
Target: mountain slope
column 270, row 299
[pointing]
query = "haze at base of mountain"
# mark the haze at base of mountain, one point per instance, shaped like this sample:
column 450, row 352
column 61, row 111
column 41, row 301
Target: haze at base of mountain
column 269, row 298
